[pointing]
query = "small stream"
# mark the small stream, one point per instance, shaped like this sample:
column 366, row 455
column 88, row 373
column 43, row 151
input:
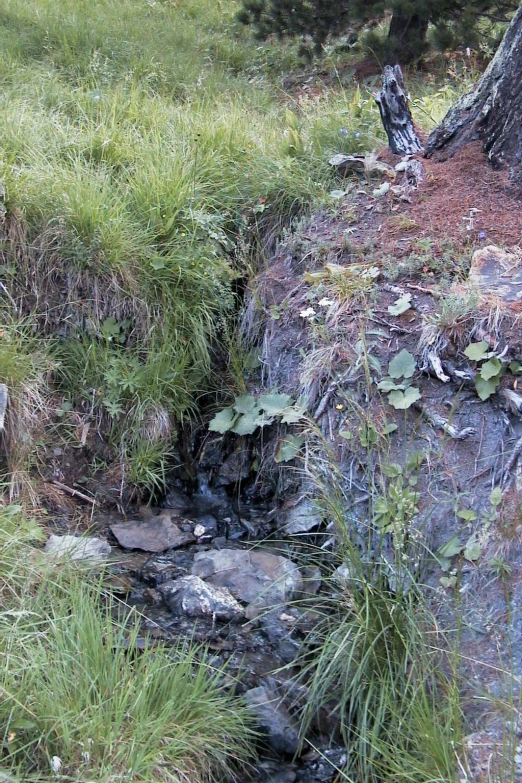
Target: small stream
column 256, row 653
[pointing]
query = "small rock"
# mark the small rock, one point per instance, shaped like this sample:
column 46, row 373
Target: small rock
column 236, row 467
column 301, row 518
column 274, row 720
column 77, row 548
column 199, row 530
column 177, row 501
column 498, row 277
column 165, row 568
column 198, row 599
column 156, row 535
column 258, row 578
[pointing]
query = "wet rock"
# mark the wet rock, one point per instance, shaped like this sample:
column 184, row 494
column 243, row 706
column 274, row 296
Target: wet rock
column 196, row 598
column 235, row 468
column 156, row 535
column 301, row 518
column 279, row 627
column 206, row 526
column 77, row 548
column 177, row 501
column 270, row 771
column 274, row 720
column 165, row 568
column 258, row 578
column 324, row 766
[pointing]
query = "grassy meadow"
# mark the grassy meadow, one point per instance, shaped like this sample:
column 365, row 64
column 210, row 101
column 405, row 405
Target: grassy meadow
column 147, row 148
column 144, row 147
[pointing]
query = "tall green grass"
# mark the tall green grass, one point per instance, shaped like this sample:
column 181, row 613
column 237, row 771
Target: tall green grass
column 75, row 685
column 139, row 140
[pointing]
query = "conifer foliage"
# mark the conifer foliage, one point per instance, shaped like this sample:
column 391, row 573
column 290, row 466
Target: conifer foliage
column 455, row 21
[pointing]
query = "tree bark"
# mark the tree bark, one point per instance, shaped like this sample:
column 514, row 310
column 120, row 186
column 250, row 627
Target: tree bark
column 491, row 112
column 407, row 35
column 395, row 113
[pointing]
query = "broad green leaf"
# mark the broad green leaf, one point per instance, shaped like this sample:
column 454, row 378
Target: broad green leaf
column 451, row 547
column 401, row 400
column 401, row 305
column 244, row 404
column 467, row 514
column 448, row 581
column 473, row 549
column 415, row 460
column 293, row 414
column 157, row 264
column 515, row 368
column 486, row 388
column 477, row 351
column 389, row 429
column 289, row 448
column 274, row 404
column 346, row 434
column 387, row 385
column 246, row 424
column 392, row 470
column 223, row 421
column 496, row 496
column 337, row 194
column 374, row 363
column 490, row 369
column 402, row 365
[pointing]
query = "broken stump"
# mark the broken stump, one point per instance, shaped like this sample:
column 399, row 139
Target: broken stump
column 395, row 113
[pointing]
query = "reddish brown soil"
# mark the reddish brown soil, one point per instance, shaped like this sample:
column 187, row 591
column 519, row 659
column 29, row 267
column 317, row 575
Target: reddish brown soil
column 449, row 191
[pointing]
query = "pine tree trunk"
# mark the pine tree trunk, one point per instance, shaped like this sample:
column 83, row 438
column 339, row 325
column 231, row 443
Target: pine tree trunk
column 491, row 112
column 407, row 35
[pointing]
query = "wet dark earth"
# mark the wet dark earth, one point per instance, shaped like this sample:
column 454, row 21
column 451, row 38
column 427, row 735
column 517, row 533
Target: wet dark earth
column 257, row 646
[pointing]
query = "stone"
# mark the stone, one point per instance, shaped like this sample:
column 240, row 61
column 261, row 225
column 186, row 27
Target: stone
column 199, row 599
column 155, row 535
column 77, row 548
column 256, row 577
column 274, row 720
column 497, row 277
column 177, row 501
column 235, row 468
column 301, row 518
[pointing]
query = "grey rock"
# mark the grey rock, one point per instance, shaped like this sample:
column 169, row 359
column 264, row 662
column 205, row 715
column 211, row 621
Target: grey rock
column 196, row 598
column 258, row 578
column 177, row 501
column 77, row 548
column 312, row 580
column 301, row 518
column 156, row 535
column 234, row 468
column 274, row 720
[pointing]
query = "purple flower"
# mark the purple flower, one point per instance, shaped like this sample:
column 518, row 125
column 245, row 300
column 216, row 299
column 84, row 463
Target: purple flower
column 357, row 135
column 343, row 131
column 482, row 235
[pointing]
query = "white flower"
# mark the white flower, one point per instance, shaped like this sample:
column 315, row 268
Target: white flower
column 308, row 313
column 56, row 764
column 325, row 302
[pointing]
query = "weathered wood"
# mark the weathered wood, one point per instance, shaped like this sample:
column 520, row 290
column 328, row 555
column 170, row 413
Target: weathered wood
column 491, row 112
column 395, row 113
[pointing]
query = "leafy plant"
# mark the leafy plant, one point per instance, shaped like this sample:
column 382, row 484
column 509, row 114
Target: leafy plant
column 249, row 412
column 401, row 394
column 491, row 370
